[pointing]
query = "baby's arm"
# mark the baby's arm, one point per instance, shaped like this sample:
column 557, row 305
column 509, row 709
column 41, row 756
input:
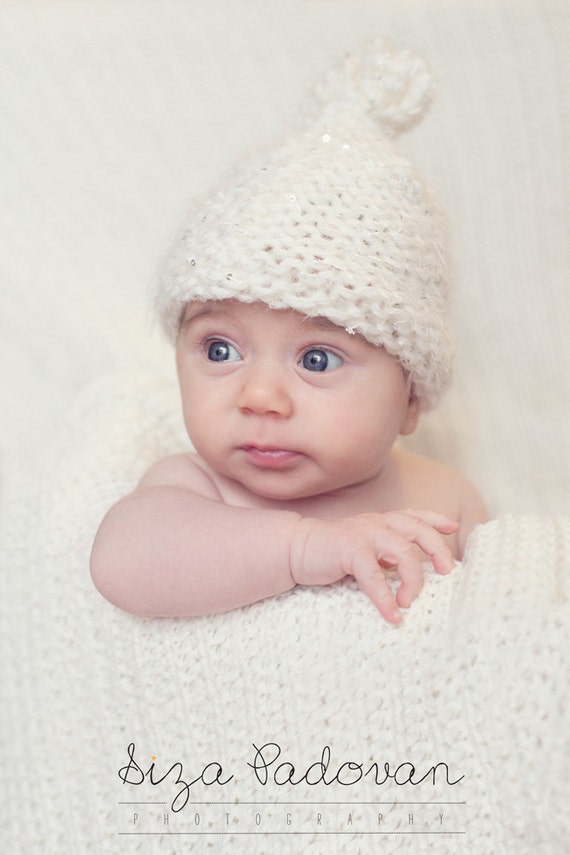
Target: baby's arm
column 173, row 548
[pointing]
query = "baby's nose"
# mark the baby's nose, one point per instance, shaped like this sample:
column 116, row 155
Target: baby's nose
column 265, row 391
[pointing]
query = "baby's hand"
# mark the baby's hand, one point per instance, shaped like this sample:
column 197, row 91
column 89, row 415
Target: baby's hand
column 363, row 546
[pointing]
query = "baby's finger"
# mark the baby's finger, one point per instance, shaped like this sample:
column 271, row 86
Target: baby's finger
column 372, row 580
column 411, row 577
column 396, row 548
column 409, row 570
column 440, row 522
column 430, row 541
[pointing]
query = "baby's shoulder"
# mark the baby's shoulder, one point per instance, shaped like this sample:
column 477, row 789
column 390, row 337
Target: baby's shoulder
column 181, row 470
column 435, row 485
column 427, row 472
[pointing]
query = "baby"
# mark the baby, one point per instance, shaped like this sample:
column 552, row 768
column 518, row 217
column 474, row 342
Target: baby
column 307, row 301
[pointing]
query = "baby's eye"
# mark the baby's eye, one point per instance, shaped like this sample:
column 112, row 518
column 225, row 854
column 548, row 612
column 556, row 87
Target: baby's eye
column 318, row 359
column 221, row 351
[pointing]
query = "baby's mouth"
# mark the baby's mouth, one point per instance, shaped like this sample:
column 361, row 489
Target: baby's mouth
column 270, row 458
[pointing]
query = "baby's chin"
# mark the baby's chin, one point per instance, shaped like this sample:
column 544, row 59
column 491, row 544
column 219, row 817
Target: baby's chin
column 282, row 491
column 274, row 487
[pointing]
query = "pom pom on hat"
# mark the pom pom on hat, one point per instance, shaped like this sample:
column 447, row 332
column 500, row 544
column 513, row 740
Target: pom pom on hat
column 333, row 223
column 392, row 87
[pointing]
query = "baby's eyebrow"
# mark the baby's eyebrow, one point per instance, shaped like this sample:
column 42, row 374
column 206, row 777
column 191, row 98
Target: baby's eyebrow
column 324, row 324
column 204, row 311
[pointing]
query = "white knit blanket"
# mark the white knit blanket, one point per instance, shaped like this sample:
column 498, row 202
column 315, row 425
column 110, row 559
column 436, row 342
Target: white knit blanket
column 447, row 734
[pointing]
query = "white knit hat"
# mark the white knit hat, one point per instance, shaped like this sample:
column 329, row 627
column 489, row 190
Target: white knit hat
column 333, row 223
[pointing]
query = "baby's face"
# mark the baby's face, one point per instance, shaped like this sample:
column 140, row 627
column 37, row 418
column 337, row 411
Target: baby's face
column 287, row 406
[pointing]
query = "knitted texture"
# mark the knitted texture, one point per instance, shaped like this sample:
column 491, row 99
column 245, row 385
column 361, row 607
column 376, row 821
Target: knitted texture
column 333, row 223
column 476, row 677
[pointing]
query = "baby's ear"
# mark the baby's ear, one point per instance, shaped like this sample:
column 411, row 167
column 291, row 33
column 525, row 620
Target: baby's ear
column 411, row 416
